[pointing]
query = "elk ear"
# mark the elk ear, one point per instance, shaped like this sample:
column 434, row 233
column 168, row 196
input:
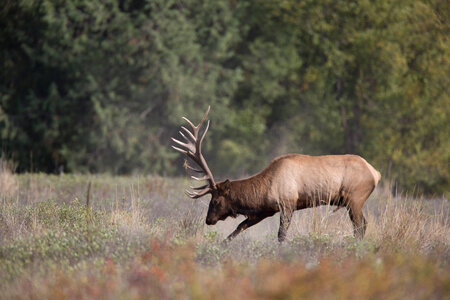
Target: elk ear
column 225, row 187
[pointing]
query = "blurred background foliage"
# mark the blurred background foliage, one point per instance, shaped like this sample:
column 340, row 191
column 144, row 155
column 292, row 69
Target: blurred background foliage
column 101, row 86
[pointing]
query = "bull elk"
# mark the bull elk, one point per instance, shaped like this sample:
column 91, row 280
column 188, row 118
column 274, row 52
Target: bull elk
column 290, row 182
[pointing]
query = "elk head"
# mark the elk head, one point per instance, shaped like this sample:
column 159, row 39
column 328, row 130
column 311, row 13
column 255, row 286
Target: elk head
column 219, row 207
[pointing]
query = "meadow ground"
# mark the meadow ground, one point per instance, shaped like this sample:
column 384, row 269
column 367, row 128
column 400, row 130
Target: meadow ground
column 142, row 238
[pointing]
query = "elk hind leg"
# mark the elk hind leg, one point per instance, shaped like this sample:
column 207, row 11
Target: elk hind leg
column 359, row 222
column 285, row 221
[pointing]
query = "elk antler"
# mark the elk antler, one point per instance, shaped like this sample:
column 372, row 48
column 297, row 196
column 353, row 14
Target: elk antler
column 193, row 149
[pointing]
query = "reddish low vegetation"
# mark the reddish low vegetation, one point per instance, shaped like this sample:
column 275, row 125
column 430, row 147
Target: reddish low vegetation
column 166, row 271
column 141, row 239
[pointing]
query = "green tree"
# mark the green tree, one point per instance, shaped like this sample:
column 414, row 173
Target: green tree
column 101, row 86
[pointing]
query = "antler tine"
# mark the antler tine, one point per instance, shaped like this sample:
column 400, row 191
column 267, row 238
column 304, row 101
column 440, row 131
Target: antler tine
column 202, row 190
column 203, row 136
column 179, row 143
column 188, row 146
column 204, row 116
column 183, row 135
column 190, row 133
column 191, row 195
column 190, row 123
column 206, row 177
column 199, row 187
column 194, row 169
column 195, row 195
column 180, row 150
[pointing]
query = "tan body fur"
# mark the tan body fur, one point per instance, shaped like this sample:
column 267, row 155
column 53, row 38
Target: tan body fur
column 296, row 181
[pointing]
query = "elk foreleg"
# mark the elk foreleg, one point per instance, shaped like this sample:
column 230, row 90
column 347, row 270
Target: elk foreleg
column 285, row 221
column 250, row 221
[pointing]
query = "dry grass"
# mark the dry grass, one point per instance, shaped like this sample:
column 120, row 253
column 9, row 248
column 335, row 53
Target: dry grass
column 141, row 239
column 8, row 183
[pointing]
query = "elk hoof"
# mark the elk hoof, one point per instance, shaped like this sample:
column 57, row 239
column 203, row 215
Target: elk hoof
column 225, row 242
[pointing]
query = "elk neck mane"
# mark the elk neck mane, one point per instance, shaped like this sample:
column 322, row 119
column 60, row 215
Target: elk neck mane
column 248, row 194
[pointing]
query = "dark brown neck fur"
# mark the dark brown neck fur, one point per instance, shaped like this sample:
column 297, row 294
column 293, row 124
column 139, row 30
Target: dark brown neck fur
column 247, row 195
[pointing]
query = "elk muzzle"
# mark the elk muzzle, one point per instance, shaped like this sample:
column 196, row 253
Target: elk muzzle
column 211, row 221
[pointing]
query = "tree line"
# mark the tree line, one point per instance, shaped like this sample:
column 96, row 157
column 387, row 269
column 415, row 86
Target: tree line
column 101, row 86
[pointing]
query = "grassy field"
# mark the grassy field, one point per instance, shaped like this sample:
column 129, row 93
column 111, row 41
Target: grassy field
column 141, row 237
